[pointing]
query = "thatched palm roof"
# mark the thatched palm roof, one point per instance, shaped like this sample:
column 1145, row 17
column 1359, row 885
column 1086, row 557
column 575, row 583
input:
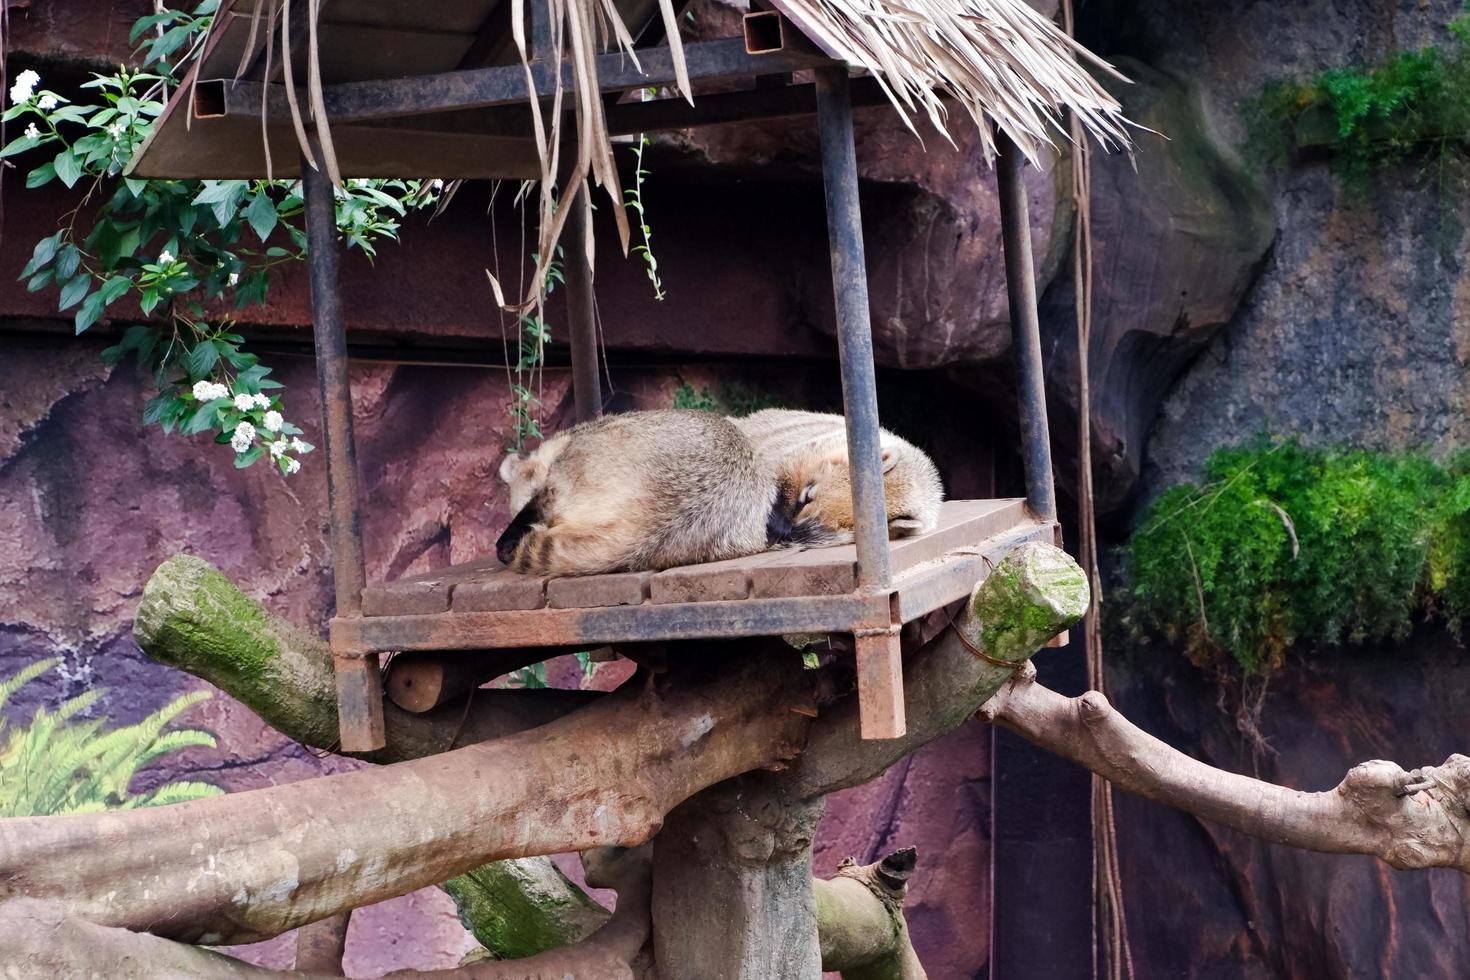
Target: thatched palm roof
column 998, row 61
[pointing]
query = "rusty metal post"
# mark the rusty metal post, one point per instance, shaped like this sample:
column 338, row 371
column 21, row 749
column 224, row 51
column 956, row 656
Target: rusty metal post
column 879, row 657
column 1015, row 230
column 359, row 688
column 581, row 314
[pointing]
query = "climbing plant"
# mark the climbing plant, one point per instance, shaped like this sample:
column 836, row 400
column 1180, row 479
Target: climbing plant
column 1282, row 546
column 1415, row 102
column 57, row 764
column 181, row 253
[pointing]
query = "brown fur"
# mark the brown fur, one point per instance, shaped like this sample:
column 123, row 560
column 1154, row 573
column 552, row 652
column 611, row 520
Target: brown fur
column 810, row 450
column 642, row 490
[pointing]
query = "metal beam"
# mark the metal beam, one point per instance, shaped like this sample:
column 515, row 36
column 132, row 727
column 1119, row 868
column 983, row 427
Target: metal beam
column 854, row 330
column 581, row 313
column 359, row 688
column 348, row 102
column 1015, row 230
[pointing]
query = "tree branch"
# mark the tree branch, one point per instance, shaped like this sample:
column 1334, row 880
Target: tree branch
column 864, row 935
column 252, row 865
column 43, row 938
column 194, row 618
column 1410, row 820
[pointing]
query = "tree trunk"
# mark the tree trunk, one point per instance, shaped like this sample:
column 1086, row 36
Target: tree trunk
column 732, row 886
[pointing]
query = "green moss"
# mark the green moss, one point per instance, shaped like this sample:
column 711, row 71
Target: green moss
column 1027, row 600
column 1370, row 118
column 730, row 399
column 1284, row 547
column 521, row 907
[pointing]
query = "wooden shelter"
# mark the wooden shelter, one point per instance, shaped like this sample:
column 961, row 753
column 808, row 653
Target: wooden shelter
column 441, row 90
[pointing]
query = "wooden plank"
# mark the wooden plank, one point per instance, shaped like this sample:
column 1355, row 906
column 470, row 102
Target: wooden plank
column 593, row 591
column 825, row 571
column 359, row 703
column 880, row 684
column 499, row 590
column 709, row 582
column 425, row 593
column 962, row 523
column 612, row 624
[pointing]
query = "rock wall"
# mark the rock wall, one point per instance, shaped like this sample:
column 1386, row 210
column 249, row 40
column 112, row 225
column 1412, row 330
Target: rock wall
column 1355, row 332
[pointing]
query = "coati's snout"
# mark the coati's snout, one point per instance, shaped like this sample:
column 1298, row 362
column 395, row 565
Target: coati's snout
column 510, row 538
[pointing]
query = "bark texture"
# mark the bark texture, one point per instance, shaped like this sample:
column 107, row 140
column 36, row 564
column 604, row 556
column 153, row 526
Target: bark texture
column 252, row 865
column 732, row 896
column 860, row 920
column 1411, row 820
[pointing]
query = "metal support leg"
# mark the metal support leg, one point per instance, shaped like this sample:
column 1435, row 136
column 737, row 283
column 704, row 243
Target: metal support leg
column 359, row 689
column 1015, row 230
column 582, row 313
column 880, row 671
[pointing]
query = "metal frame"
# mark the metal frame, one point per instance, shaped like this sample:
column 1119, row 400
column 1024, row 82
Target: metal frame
column 875, row 612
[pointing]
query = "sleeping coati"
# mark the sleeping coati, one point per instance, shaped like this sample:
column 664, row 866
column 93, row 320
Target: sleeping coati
column 651, row 490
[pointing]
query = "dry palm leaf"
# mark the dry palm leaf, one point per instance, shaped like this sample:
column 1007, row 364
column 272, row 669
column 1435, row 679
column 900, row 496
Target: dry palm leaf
column 999, row 60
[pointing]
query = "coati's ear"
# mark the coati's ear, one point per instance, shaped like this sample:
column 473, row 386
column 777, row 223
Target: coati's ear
column 890, row 458
column 516, row 466
column 904, row 527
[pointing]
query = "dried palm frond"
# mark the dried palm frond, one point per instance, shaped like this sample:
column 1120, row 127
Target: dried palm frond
column 1000, row 60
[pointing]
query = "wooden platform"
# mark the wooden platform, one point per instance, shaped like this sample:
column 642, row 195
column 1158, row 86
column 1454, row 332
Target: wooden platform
column 481, row 605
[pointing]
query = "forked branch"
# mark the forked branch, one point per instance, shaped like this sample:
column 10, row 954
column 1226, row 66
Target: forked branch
column 1410, row 820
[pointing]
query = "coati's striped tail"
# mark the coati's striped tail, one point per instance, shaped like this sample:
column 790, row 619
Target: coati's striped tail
column 549, row 552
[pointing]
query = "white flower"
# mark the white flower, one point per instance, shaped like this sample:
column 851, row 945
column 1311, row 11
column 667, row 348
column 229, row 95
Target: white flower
column 204, row 390
column 24, row 87
column 32, row 132
column 234, row 279
column 273, row 421
column 297, row 446
column 292, row 465
column 262, row 401
column 358, row 182
column 116, row 129
column 243, row 437
column 279, row 447
column 244, row 402
column 436, row 184
column 165, row 257
column 46, row 103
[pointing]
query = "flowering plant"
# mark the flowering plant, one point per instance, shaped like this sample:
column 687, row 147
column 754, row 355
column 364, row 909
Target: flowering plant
column 179, row 249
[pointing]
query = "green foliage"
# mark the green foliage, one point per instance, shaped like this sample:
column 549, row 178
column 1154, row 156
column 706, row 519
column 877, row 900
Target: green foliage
column 59, row 765
column 176, row 251
column 731, row 399
column 633, row 201
column 1369, row 118
column 1285, row 545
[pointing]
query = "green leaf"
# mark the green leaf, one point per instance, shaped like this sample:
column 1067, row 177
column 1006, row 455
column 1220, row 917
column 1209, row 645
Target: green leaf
column 149, row 300
column 201, row 360
column 203, row 418
column 89, row 312
column 41, row 176
column 39, row 281
column 19, row 145
column 67, row 261
column 43, row 253
column 68, row 167
column 74, row 290
column 262, row 215
column 249, row 456
column 114, row 288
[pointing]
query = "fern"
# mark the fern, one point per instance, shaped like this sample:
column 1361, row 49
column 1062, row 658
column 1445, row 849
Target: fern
column 58, row 765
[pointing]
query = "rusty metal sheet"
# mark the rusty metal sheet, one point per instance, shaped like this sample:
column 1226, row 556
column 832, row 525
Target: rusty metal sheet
column 591, row 591
column 880, row 684
column 359, row 703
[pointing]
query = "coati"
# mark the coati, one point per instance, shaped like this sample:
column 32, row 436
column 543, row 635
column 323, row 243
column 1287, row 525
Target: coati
column 641, row 490
column 811, row 447
column 650, row 490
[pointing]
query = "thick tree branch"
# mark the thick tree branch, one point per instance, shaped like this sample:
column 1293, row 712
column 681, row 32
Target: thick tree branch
column 252, row 865
column 1412, row 819
column 864, row 935
column 1034, row 593
column 194, row 618
column 44, row 939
